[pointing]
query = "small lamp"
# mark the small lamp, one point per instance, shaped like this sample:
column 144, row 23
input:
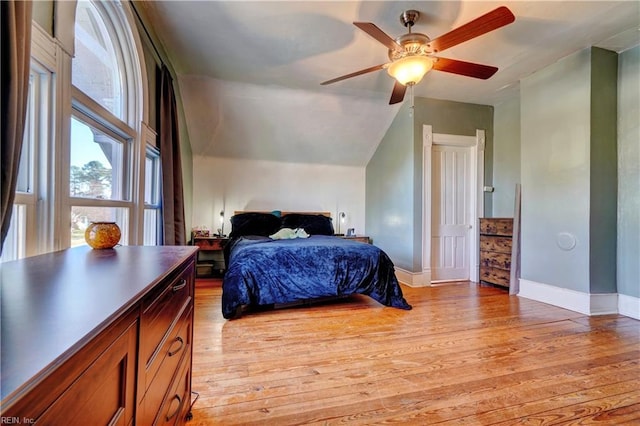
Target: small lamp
column 341, row 217
column 221, row 229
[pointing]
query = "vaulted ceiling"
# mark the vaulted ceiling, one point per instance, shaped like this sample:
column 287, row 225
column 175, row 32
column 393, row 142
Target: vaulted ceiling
column 249, row 72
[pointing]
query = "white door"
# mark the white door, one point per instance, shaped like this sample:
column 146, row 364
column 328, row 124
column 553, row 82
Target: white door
column 451, row 192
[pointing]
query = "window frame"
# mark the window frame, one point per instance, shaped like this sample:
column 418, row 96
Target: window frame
column 87, row 110
column 25, row 237
column 155, row 205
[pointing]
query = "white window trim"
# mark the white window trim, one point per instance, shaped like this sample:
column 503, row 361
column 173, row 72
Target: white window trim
column 81, row 104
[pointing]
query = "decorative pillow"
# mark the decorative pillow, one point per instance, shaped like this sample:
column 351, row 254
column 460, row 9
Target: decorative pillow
column 289, row 234
column 262, row 224
column 313, row 224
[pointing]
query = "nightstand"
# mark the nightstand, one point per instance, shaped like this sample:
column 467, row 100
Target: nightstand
column 210, row 260
column 359, row 238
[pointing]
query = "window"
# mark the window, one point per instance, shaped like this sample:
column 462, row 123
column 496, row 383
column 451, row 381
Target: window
column 102, row 143
column 99, row 176
column 23, row 239
column 152, row 207
column 96, row 68
column 98, row 163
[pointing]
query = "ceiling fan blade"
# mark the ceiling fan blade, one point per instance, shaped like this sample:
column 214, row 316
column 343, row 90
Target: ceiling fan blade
column 378, row 34
column 354, row 74
column 468, row 69
column 397, row 95
column 488, row 22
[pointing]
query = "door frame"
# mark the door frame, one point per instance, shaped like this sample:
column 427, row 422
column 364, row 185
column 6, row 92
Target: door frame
column 477, row 145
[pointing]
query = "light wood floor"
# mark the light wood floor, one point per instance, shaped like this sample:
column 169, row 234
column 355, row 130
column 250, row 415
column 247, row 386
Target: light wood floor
column 464, row 355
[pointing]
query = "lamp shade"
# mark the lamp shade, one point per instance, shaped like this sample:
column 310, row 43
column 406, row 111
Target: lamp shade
column 410, row 69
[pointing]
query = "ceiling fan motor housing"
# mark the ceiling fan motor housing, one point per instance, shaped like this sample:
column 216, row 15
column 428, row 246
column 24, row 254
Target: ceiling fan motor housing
column 408, row 18
column 413, row 44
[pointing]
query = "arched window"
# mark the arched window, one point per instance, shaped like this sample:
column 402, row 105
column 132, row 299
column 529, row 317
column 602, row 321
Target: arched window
column 98, row 64
column 103, row 158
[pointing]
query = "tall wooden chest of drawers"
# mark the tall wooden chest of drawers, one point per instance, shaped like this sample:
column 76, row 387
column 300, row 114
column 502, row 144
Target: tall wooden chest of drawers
column 496, row 235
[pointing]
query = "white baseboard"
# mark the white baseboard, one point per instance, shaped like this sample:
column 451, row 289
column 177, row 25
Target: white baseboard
column 604, row 303
column 629, row 306
column 414, row 279
column 584, row 303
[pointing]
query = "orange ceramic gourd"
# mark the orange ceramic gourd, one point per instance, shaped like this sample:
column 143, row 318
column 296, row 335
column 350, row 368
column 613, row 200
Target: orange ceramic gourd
column 102, row 235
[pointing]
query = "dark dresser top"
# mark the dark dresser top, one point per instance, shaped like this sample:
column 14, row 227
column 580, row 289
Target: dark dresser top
column 52, row 304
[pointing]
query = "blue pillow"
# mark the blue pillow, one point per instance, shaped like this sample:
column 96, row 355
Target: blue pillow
column 261, row 224
column 313, row 224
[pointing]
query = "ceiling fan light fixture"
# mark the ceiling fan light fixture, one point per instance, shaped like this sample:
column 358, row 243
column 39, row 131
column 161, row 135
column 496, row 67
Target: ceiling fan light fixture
column 410, row 69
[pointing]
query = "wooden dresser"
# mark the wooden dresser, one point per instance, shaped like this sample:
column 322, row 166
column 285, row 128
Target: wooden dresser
column 495, row 250
column 97, row 337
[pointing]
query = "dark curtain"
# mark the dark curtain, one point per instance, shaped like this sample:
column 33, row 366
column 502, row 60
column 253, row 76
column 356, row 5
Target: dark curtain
column 15, row 21
column 174, row 232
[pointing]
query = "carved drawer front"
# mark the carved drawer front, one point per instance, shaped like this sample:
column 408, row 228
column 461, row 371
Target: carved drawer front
column 163, row 368
column 496, row 226
column 495, row 260
column 161, row 310
column 495, row 244
column 495, row 275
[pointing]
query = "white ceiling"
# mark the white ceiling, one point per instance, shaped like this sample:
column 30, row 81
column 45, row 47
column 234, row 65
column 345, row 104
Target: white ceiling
column 249, row 73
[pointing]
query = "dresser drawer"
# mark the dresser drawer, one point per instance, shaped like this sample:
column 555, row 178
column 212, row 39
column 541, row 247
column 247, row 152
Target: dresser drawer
column 495, row 260
column 493, row 226
column 161, row 311
column 176, row 405
column 495, row 275
column 104, row 393
column 495, row 244
column 163, row 368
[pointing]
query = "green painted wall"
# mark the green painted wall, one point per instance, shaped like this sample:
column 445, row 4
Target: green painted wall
column 506, row 156
column 603, row 180
column 628, row 266
column 390, row 181
column 555, row 137
column 394, row 175
column 568, row 136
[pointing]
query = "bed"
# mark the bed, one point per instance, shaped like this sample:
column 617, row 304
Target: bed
column 278, row 259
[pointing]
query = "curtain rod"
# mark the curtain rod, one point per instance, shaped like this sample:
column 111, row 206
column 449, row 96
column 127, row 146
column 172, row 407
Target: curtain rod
column 144, row 27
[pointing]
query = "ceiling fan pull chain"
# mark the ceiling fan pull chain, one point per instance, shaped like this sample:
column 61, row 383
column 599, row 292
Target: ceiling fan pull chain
column 411, row 98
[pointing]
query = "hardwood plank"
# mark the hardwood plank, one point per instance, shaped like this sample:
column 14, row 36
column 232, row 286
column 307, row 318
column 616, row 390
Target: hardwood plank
column 465, row 353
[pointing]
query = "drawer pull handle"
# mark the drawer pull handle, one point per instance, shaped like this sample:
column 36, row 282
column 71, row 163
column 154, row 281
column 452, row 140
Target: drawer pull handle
column 179, row 340
column 177, row 410
column 182, row 284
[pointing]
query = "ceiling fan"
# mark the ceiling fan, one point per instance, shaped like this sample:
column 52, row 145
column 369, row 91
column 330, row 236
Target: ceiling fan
column 412, row 54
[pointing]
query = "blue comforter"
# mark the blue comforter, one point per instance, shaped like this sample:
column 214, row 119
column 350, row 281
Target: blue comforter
column 262, row 271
